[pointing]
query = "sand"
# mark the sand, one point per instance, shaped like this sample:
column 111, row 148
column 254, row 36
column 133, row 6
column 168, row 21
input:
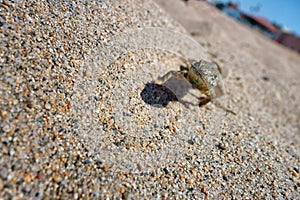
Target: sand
column 83, row 115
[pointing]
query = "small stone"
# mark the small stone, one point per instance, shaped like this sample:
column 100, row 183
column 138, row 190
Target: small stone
column 48, row 106
column 190, row 181
column 3, row 113
column 295, row 174
column 225, row 176
column 221, row 146
column 122, row 190
column 265, row 78
column 100, row 80
column 191, row 142
column 27, row 178
column 6, row 128
column 57, row 178
column 96, row 98
column 3, row 173
column 166, row 170
column 6, row 2
column 144, row 144
column 296, row 169
column 87, row 161
column 87, row 72
column 105, row 168
column 203, row 190
column 118, row 144
column 11, row 152
column 15, row 102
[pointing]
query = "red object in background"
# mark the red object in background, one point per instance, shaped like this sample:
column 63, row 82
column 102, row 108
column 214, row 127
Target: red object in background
column 255, row 20
column 289, row 40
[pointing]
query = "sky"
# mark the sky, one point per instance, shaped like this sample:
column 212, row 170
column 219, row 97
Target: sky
column 284, row 12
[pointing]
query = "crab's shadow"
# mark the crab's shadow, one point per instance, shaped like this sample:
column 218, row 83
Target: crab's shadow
column 159, row 95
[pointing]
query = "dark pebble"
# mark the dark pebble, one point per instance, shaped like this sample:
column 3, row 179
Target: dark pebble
column 96, row 98
column 265, row 78
column 191, row 142
column 118, row 144
column 166, row 170
column 296, row 169
column 221, row 146
column 100, row 80
column 87, row 161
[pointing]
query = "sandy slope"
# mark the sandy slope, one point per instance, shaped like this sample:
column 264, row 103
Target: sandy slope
column 82, row 115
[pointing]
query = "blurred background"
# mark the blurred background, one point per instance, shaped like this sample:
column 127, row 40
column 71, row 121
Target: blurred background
column 277, row 20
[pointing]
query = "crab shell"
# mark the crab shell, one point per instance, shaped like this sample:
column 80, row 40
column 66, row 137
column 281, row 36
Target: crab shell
column 206, row 77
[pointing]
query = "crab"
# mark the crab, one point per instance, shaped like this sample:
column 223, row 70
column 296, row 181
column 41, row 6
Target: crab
column 204, row 76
